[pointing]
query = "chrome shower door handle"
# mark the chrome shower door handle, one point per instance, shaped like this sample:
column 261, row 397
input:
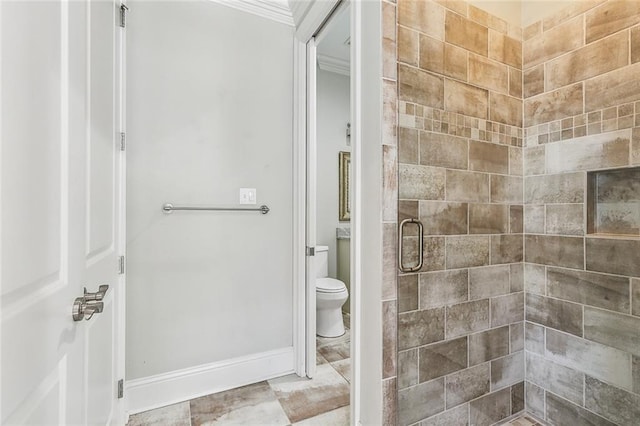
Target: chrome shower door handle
column 401, row 264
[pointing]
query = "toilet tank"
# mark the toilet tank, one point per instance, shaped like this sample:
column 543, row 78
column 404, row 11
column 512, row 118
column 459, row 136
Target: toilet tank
column 322, row 261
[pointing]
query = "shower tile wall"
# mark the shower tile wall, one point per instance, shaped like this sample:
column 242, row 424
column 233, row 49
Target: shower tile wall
column 581, row 113
column 460, row 318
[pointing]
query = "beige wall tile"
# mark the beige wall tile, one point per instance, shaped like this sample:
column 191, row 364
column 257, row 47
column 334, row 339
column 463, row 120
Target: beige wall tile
column 553, row 313
column 590, row 152
column 478, row 15
column 505, row 109
column 420, row 401
column 611, row 17
column 420, row 182
column 467, row 34
column 533, row 81
column 488, row 219
column 488, row 73
column 467, row 384
column 565, row 219
column 467, row 251
column 420, row 87
column 571, row 10
column 389, row 183
column 455, row 62
column 408, row 145
column 615, row 88
column 407, row 368
column 442, row 358
column 534, row 160
column 489, row 281
column 506, row 249
column 517, row 397
column 563, row 412
column 488, row 345
column 507, row 371
column 635, row 296
column 594, row 359
column 443, row 288
column 561, row 103
column 534, row 397
column 563, row 188
column 534, row 338
column 561, row 380
column 389, row 400
column 468, row 317
column 588, row 288
column 390, row 112
column 437, row 149
column 431, row 54
column 515, row 161
column 614, row 256
column 553, row 43
column 443, row 218
column 635, row 145
column 419, row 328
column 407, row 293
column 506, row 189
column 534, row 216
column 456, row 416
column 612, row 329
column 408, row 46
column 465, row 99
column 532, row 30
column 389, row 338
column 491, row 408
column 458, row 6
column 635, row 44
column 550, row 250
column 488, row 157
column 505, row 49
column 467, row 186
column 516, row 220
column 612, row 403
column 515, row 82
column 424, row 16
column 507, row 309
column 389, row 20
column 389, row 63
column 594, row 59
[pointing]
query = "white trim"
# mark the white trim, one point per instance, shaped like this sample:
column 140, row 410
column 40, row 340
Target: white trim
column 182, row 385
column 299, row 212
column 317, row 13
column 335, row 65
column 263, row 8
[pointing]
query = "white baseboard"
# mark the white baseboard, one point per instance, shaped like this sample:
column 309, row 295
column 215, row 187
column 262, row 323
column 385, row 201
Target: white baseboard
column 182, row 385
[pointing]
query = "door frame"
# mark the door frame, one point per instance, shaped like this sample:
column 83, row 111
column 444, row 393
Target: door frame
column 318, row 13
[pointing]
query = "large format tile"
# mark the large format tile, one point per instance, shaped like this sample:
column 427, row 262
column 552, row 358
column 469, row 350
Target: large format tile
column 465, row 318
column 489, row 281
column 467, row 34
column 424, row 16
column 421, row 182
column 419, row 328
column 465, row 99
column 488, row 345
column 615, row 256
column 439, row 359
column 551, row 250
column 444, row 218
column 599, row 290
column 506, row 249
column 611, row 89
column 487, row 73
column 561, row 188
column 565, row 219
column 563, row 412
column 491, row 408
column 561, row 380
column 420, row 87
column 439, row 150
column 610, row 17
column 177, row 414
column 557, row 314
column 467, row 384
column 339, row 417
column 617, row 405
column 458, row 416
column 420, row 401
column 505, row 49
column 488, row 219
column 408, row 371
column 564, row 102
column 612, row 329
column 303, row 398
column 467, row 186
column 488, row 157
column 507, row 309
column 534, row 338
column 505, row 109
column 594, row 359
column 506, row 189
column 256, row 402
column 534, row 398
column 443, row 288
column 553, row 43
column 507, row 371
column 467, row 251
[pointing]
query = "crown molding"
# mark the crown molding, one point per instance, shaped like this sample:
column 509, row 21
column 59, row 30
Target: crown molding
column 267, row 9
column 331, row 64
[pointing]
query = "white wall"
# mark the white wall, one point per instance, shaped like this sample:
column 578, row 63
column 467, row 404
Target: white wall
column 209, row 111
column 333, row 116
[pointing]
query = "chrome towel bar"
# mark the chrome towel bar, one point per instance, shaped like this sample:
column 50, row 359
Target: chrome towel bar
column 168, row 208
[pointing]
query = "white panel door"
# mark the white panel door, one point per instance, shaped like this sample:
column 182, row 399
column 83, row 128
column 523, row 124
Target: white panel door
column 60, row 197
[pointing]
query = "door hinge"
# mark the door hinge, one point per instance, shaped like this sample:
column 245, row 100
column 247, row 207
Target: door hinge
column 120, row 388
column 123, row 141
column 123, row 15
column 121, row 265
column 310, row 251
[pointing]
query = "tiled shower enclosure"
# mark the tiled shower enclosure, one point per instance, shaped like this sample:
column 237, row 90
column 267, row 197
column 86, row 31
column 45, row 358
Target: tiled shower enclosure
column 515, row 147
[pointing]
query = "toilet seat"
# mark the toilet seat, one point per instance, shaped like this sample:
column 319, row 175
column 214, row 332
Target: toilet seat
column 329, row 285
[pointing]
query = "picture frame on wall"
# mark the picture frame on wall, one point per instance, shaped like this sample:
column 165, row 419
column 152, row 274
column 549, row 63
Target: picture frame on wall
column 344, row 202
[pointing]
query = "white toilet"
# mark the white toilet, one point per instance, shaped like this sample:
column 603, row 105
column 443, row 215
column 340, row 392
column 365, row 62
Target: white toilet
column 330, row 296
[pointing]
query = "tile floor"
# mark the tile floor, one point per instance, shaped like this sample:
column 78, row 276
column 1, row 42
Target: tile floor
column 524, row 420
column 288, row 400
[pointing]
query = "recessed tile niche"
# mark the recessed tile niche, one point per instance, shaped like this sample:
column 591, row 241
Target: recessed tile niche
column 613, row 202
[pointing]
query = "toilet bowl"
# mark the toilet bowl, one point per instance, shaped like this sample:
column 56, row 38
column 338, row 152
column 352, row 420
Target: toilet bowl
column 330, row 296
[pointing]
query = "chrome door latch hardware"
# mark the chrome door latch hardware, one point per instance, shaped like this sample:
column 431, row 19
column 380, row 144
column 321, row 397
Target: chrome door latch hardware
column 401, row 264
column 91, row 303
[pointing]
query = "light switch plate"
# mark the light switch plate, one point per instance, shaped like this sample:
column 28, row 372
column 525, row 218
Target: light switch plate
column 247, row 195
